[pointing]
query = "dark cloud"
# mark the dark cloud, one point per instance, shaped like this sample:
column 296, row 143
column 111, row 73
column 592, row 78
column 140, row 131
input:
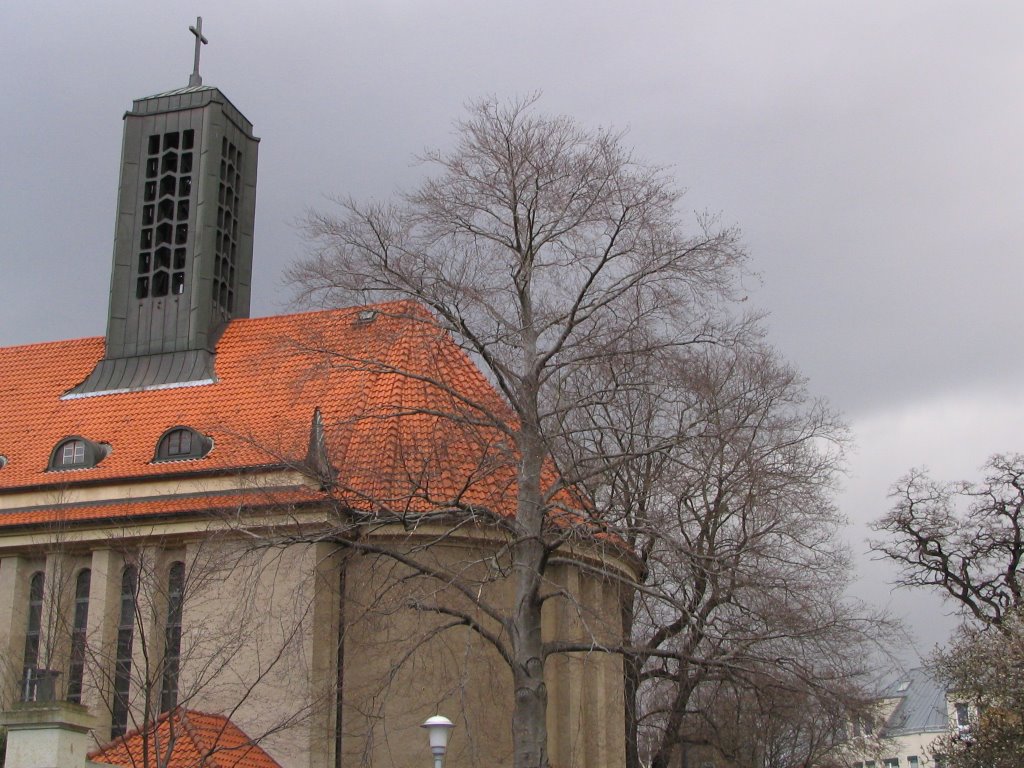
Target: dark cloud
column 870, row 151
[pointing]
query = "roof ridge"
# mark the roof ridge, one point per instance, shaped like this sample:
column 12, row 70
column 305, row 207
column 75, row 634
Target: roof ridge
column 378, row 306
column 226, row 729
column 353, row 308
column 198, row 743
column 129, row 734
column 53, row 343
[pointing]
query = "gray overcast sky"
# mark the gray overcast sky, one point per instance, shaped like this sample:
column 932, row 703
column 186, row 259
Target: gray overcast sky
column 870, row 152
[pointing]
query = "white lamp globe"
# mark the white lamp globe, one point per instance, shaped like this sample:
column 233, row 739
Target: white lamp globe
column 439, row 728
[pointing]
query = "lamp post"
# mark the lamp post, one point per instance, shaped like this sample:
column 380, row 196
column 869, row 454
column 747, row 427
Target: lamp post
column 439, row 729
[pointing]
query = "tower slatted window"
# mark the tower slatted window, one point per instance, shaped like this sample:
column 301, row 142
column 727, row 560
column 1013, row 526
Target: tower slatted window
column 32, row 632
column 123, row 661
column 79, row 626
column 172, row 637
column 229, row 197
column 165, row 212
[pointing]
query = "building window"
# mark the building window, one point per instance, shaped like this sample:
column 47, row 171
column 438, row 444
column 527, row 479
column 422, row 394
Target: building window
column 79, row 627
column 892, row 762
column 912, row 761
column 32, row 634
column 77, row 453
column 963, row 719
column 172, row 637
column 179, row 443
column 72, row 453
column 123, row 660
column 863, row 725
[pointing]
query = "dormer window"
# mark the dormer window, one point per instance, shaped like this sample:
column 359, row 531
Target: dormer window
column 77, row 453
column 180, row 443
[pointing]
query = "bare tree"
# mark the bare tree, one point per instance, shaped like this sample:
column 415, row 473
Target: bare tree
column 727, row 500
column 544, row 249
column 779, row 722
column 965, row 539
column 228, row 655
column 150, row 625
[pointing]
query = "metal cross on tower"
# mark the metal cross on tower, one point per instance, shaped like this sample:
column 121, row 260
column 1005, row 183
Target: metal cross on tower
column 197, row 30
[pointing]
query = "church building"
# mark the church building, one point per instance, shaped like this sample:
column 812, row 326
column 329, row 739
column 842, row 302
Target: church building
column 235, row 541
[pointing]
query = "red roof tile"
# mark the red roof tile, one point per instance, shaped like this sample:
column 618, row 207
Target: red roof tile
column 193, row 739
column 397, row 396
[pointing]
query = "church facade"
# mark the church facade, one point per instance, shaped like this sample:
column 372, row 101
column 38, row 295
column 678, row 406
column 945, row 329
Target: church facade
column 277, row 521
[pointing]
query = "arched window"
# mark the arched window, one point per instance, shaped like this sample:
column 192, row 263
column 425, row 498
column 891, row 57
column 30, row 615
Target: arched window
column 79, row 626
column 32, row 634
column 123, row 660
column 180, row 443
column 77, row 453
column 172, row 637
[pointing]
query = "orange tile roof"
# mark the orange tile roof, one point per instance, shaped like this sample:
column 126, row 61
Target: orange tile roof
column 397, row 395
column 194, row 740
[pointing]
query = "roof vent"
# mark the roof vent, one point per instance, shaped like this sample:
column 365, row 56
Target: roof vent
column 365, row 316
column 3, row 461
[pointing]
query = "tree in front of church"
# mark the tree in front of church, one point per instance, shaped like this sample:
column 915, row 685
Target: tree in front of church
column 780, row 722
column 727, row 501
column 546, row 251
column 966, row 539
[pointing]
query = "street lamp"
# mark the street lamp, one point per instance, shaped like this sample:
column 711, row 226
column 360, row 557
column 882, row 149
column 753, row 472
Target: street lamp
column 439, row 729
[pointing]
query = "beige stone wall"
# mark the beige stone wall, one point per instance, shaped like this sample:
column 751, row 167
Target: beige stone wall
column 261, row 632
column 585, row 715
column 249, row 644
column 394, row 680
column 15, row 574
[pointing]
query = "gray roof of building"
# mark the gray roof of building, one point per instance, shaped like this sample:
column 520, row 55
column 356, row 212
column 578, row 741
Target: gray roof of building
column 922, row 706
column 181, row 91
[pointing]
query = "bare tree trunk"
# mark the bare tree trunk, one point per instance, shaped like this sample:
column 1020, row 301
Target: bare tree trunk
column 529, row 715
column 631, row 665
column 673, row 734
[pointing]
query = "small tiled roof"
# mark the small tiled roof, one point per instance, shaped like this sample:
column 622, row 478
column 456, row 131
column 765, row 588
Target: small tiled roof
column 194, row 740
column 206, row 503
column 399, row 402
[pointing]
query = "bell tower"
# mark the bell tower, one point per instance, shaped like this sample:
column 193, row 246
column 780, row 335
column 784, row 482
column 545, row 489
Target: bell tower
column 183, row 238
